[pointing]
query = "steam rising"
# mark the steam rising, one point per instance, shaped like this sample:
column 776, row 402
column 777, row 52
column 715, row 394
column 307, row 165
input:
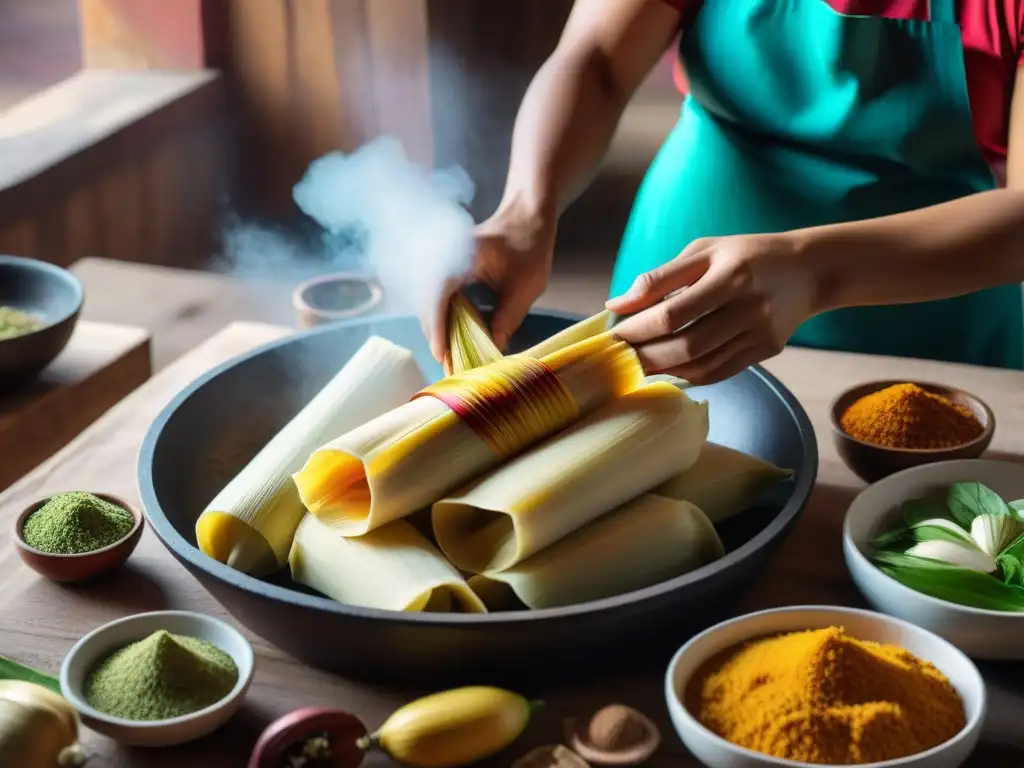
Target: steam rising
column 409, row 224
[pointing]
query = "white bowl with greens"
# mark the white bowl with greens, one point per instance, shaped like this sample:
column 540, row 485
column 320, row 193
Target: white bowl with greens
column 942, row 546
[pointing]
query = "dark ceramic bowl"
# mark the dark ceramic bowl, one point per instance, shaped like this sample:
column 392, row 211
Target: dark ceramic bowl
column 330, row 298
column 51, row 294
column 88, row 565
column 872, row 462
column 218, row 423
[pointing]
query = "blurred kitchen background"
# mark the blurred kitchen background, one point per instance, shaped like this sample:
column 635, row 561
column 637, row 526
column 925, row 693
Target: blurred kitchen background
column 171, row 132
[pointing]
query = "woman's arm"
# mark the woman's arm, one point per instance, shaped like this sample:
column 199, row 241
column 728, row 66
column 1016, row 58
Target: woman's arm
column 573, row 105
column 945, row 250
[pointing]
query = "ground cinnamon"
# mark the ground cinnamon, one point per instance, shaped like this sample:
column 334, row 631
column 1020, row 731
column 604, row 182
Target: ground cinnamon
column 909, row 416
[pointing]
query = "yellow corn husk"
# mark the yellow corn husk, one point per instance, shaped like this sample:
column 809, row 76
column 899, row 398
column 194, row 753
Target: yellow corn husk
column 581, row 331
column 452, row 728
column 469, row 342
column 458, row 429
column 617, row 453
column 393, row 568
column 249, row 525
column 723, row 481
column 646, row 541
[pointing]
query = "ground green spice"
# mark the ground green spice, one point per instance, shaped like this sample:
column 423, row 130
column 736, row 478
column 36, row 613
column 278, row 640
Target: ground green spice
column 14, row 322
column 73, row 523
column 161, row 677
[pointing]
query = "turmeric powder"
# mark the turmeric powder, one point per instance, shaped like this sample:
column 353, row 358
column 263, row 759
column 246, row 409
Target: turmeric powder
column 909, row 416
column 823, row 697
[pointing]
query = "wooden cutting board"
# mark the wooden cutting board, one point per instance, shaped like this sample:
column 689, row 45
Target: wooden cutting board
column 101, row 364
column 39, row 621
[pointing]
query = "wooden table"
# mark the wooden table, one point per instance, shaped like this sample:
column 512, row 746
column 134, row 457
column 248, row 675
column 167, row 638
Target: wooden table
column 39, row 621
column 101, row 364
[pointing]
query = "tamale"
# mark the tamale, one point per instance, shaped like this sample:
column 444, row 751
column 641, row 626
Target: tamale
column 249, row 525
column 615, row 454
column 393, row 568
column 646, row 541
column 459, row 428
column 723, row 481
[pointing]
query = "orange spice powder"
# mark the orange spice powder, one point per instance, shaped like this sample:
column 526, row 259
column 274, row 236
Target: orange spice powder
column 908, row 416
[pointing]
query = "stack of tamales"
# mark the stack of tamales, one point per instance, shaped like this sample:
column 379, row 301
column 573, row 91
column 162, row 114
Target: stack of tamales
column 551, row 477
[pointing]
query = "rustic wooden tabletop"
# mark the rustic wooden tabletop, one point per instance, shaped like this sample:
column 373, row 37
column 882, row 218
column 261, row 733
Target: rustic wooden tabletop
column 39, row 621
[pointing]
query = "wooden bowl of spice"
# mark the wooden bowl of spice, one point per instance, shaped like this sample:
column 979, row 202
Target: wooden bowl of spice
column 158, row 679
column 824, row 685
column 882, row 427
column 77, row 536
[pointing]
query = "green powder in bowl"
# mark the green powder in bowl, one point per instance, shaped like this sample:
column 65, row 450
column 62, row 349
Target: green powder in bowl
column 14, row 323
column 161, row 677
column 75, row 523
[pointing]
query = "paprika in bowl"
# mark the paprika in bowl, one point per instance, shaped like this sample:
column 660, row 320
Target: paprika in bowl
column 882, row 427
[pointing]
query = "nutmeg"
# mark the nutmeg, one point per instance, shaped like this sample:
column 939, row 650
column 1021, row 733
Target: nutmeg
column 614, row 735
column 615, row 728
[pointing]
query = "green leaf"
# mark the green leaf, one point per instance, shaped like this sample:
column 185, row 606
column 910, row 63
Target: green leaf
column 950, row 583
column 898, row 538
column 916, row 510
column 12, row 670
column 968, row 500
column 1012, row 569
column 937, row 528
column 1018, row 508
column 1015, row 548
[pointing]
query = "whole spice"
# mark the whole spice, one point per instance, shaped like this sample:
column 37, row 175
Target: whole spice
column 74, row 523
column 615, row 735
column 161, row 677
column 14, row 322
column 909, row 416
column 823, row 697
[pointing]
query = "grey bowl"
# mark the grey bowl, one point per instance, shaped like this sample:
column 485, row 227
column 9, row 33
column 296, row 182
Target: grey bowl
column 213, row 427
column 51, row 294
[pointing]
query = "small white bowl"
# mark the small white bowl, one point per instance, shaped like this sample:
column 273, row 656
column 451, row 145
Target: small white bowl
column 101, row 642
column 980, row 633
column 716, row 752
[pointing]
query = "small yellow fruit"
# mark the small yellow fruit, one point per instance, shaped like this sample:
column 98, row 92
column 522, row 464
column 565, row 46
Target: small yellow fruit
column 453, row 728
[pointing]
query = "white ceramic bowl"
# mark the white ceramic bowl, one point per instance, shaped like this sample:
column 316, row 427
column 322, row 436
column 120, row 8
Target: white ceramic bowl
column 980, row 633
column 99, row 643
column 716, row 752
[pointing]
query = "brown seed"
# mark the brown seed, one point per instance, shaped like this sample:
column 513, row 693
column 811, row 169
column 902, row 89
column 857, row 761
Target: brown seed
column 616, row 728
column 551, row 756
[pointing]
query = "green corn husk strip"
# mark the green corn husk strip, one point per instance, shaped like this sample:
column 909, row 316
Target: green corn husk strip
column 951, row 583
column 12, row 670
column 469, row 342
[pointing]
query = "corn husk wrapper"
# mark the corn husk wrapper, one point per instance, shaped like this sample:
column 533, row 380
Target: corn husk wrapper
column 469, row 342
column 414, row 455
column 393, row 568
column 646, row 541
column 249, row 525
column 723, row 482
column 619, row 452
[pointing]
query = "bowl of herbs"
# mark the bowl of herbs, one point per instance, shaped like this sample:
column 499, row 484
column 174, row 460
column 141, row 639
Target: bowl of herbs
column 39, row 308
column 942, row 546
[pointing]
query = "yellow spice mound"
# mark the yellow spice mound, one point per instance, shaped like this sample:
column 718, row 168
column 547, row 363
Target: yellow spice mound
column 823, row 697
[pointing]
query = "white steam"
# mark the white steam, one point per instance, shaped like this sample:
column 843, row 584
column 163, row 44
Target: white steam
column 411, row 224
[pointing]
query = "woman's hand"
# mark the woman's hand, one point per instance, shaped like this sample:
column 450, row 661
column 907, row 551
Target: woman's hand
column 514, row 250
column 721, row 305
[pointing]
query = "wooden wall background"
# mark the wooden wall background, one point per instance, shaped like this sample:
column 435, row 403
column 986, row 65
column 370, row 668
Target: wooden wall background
column 149, row 192
column 300, row 78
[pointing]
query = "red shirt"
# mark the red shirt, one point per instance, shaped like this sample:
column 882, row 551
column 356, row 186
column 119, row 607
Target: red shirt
column 993, row 36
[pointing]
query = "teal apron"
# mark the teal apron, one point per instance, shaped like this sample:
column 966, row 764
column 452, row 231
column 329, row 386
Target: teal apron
column 800, row 116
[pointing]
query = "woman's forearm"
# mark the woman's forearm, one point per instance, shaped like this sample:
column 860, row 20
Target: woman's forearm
column 938, row 252
column 563, row 129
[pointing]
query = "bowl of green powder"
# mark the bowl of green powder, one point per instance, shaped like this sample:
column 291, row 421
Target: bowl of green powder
column 158, row 679
column 39, row 308
column 77, row 536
